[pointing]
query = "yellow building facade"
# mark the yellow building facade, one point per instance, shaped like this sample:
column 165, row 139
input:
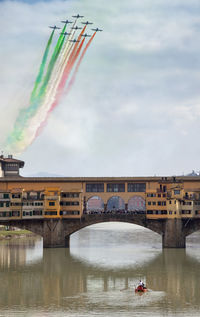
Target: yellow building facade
column 156, row 197
column 71, row 197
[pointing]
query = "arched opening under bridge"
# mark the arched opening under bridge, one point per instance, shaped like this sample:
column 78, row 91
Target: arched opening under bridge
column 115, row 244
column 193, row 241
column 136, row 203
column 95, row 204
column 115, row 203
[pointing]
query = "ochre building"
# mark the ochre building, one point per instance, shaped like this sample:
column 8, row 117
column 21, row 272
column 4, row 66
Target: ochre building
column 71, row 197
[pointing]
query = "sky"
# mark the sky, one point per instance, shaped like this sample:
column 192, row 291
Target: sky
column 135, row 106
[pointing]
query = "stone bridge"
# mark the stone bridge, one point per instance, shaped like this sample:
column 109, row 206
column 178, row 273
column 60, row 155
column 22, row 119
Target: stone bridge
column 56, row 232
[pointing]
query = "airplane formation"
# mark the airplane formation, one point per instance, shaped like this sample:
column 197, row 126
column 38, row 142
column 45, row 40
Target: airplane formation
column 78, row 16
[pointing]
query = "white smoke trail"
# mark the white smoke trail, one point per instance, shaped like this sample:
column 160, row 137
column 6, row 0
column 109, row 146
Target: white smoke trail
column 49, row 98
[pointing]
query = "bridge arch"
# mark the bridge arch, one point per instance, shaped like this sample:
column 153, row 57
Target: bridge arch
column 137, row 219
column 94, row 203
column 115, row 203
column 136, row 203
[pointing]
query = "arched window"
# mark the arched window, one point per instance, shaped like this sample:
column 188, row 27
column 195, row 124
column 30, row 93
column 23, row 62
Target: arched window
column 95, row 203
column 136, row 203
column 115, row 203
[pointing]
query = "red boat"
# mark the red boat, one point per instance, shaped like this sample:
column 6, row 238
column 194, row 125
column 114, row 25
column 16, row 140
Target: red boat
column 141, row 289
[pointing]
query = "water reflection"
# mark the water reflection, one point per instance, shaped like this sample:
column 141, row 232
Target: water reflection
column 120, row 247
column 62, row 281
column 15, row 253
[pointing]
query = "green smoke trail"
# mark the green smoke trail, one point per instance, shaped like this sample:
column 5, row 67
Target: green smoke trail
column 22, row 121
column 52, row 63
column 42, row 66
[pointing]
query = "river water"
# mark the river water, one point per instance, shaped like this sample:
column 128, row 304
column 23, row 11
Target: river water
column 97, row 276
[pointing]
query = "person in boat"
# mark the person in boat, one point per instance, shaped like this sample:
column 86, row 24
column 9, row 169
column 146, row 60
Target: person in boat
column 141, row 284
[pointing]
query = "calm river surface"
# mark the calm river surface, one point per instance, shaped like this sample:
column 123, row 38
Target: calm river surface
column 97, row 276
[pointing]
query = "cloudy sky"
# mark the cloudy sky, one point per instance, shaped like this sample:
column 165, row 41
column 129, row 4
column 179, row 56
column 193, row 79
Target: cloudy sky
column 135, row 106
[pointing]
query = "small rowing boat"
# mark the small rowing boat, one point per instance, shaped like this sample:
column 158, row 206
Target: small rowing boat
column 141, row 289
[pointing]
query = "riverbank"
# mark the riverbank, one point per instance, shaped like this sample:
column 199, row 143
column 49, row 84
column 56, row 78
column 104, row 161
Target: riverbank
column 6, row 234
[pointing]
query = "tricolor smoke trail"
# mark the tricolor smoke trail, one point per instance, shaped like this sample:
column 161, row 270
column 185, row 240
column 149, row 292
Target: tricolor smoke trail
column 42, row 66
column 49, row 87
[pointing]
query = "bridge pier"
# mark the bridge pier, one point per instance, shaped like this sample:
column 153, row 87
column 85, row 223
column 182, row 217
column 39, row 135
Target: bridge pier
column 67, row 241
column 54, row 234
column 173, row 234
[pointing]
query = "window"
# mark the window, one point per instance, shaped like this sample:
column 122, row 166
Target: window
column 136, row 187
column 69, row 195
column 70, row 212
column 151, row 195
column 69, row 203
column 95, row 188
column 52, row 203
column 16, row 195
column 16, row 204
column 37, row 212
column 5, row 214
column 153, row 203
column 38, row 204
column 177, row 192
column 149, row 203
column 161, row 203
column 186, row 212
column 149, row 212
column 159, row 195
column 11, row 167
column 5, row 196
column 15, row 213
column 50, row 213
column 27, row 213
column 115, row 187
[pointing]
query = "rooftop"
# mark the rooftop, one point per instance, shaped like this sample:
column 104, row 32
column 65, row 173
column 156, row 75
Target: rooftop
column 10, row 159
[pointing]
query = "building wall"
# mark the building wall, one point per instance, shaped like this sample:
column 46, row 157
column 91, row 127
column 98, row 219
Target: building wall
column 163, row 198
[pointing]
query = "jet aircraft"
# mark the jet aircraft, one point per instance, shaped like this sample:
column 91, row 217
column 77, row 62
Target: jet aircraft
column 86, row 35
column 65, row 33
column 97, row 30
column 77, row 16
column 76, row 28
column 86, row 23
column 54, row 27
column 66, row 22
column 74, row 41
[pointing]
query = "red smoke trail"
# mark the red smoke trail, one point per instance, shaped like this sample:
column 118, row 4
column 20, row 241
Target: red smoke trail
column 73, row 56
column 78, row 64
column 65, row 77
column 70, row 61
